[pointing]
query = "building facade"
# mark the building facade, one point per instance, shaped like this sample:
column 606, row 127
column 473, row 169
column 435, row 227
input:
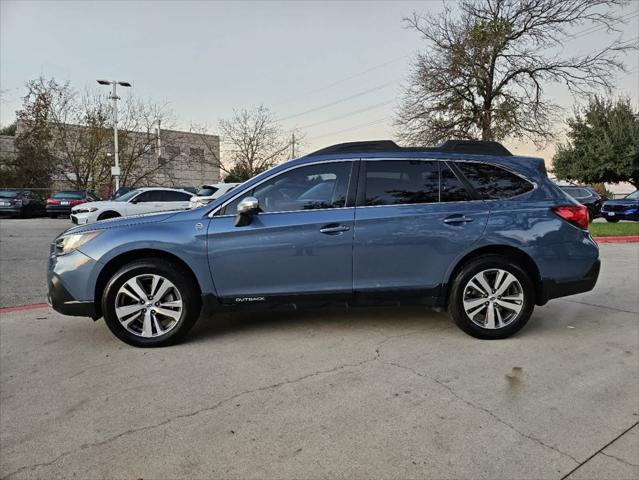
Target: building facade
column 157, row 157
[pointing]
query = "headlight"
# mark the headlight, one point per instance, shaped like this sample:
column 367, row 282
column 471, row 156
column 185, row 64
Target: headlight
column 84, row 210
column 68, row 243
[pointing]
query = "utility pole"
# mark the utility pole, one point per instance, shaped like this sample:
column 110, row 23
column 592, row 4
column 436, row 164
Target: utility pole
column 115, row 171
column 293, row 145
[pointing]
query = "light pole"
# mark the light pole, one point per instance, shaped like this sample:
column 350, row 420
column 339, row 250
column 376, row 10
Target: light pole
column 115, row 171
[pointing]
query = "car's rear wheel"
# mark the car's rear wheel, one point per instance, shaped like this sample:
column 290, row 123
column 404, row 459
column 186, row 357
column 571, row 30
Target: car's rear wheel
column 107, row 215
column 492, row 297
column 151, row 303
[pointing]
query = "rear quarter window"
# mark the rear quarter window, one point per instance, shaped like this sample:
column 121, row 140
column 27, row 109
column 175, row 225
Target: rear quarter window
column 492, row 182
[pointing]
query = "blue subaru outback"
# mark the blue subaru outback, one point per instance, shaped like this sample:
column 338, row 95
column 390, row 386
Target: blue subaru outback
column 465, row 226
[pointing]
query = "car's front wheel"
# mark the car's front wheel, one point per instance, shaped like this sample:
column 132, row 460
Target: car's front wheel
column 150, row 303
column 492, row 297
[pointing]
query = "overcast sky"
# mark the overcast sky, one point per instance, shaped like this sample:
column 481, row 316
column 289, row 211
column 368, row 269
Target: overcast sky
column 333, row 69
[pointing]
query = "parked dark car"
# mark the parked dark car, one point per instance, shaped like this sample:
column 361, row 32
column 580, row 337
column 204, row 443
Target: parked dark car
column 622, row 209
column 21, row 203
column 586, row 196
column 60, row 203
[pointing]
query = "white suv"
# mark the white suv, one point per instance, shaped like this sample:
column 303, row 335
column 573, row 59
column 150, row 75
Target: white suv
column 138, row 201
column 208, row 193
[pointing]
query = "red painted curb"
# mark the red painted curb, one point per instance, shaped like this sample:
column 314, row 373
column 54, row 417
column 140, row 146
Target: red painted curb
column 620, row 239
column 22, row 307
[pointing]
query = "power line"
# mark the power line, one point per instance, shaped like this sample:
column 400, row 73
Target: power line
column 349, row 114
column 355, row 127
column 341, row 100
column 338, row 82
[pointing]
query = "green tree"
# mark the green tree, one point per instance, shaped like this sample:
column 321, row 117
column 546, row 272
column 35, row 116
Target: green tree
column 602, row 144
column 488, row 62
column 9, row 130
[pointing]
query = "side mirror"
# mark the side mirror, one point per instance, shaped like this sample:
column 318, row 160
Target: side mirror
column 245, row 211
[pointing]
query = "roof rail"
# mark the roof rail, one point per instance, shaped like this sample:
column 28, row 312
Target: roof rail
column 474, row 147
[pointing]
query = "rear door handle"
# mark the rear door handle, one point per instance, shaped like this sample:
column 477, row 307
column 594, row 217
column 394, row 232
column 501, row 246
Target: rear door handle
column 457, row 219
column 334, row 229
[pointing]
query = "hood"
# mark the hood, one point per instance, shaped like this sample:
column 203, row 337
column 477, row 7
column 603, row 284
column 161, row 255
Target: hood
column 101, row 204
column 124, row 221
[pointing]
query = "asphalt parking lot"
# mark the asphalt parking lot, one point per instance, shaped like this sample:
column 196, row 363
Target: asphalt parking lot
column 364, row 393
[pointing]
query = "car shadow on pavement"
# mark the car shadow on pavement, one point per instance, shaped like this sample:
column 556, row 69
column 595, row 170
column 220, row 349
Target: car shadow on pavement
column 393, row 319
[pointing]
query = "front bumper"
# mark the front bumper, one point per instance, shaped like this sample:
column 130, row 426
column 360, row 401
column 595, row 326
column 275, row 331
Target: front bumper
column 80, row 218
column 61, row 300
column 71, row 284
column 555, row 289
column 632, row 215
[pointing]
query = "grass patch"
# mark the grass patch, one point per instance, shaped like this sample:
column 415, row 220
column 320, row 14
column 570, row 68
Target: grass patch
column 614, row 229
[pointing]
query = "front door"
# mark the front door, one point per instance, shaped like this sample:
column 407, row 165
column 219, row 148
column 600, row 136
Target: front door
column 299, row 244
column 408, row 231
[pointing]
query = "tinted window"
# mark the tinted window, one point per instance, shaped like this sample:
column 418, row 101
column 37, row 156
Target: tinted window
column 8, row 194
column 206, row 192
column 634, row 195
column 492, row 182
column 68, row 195
column 576, row 192
column 401, row 182
column 150, row 196
column 170, row 196
column 305, row 188
column 452, row 189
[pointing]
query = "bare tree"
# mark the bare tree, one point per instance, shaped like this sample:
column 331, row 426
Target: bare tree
column 254, row 142
column 486, row 67
column 74, row 134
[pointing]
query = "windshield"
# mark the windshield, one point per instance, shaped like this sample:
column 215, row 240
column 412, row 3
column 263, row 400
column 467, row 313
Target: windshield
column 634, row 195
column 9, row 194
column 127, row 196
column 74, row 195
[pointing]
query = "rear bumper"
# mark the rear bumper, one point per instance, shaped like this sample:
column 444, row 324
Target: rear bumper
column 10, row 210
column 553, row 289
column 59, row 209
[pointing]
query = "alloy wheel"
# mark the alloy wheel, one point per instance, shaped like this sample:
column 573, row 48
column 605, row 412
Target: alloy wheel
column 493, row 298
column 148, row 305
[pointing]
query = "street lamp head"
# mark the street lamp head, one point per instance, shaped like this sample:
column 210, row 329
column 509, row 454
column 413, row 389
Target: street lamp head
column 104, row 82
column 124, row 84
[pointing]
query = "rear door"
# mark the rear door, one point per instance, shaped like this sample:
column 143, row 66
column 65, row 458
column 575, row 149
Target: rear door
column 413, row 219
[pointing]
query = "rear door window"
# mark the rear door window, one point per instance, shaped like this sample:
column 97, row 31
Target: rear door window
column 171, row 196
column 492, row 182
column 451, row 187
column 394, row 182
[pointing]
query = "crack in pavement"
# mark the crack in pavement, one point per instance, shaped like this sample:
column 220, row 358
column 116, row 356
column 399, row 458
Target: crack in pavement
column 600, row 451
column 206, row 409
column 620, row 459
column 477, row 407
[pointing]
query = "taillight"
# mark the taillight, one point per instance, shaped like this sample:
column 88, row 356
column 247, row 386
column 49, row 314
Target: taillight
column 53, row 202
column 575, row 214
column 76, row 202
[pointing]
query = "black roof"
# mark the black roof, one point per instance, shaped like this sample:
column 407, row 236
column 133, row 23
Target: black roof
column 475, row 147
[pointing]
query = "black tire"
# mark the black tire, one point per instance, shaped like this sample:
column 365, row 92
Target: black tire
column 468, row 271
column 107, row 215
column 612, row 220
column 182, row 280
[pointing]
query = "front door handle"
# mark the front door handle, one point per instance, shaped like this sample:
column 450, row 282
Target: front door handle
column 457, row 219
column 334, row 229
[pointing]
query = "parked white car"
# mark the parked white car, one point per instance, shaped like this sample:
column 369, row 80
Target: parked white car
column 138, row 201
column 208, row 193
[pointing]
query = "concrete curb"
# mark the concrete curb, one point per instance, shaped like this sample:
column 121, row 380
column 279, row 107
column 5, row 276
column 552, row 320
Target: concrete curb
column 619, row 239
column 19, row 308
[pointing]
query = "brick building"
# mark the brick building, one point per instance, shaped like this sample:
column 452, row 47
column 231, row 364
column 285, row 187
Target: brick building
column 154, row 158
